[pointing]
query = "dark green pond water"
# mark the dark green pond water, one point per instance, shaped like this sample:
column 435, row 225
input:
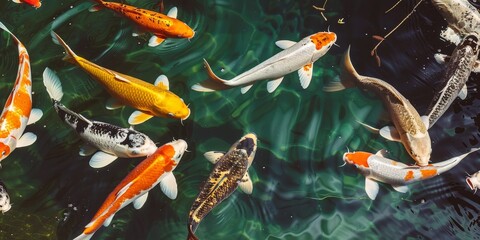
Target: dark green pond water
column 300, row 192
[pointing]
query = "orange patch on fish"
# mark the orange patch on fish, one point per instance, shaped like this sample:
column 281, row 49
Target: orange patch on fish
column 23, row 103
column 428, row 173
column 4, row 149
column 394, row 163
column 307, row 67
column 10, row 121
column 322, row 39
column 359, row 158
column 409, row 176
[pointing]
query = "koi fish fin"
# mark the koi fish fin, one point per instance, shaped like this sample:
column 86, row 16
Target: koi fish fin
column 120, row 78
column 334, row 85
column 441, row 58
column 113, row 103
column 26, row 139
column 162, row 82
column 16, row 1
column 368, row 127
column 155, row 41
column 35, row 115
column 96, row 8
column 71, row 56
column 425, row 121
column 382, row 153
column 390, row 133
column 349, row 74
column 213, row 156
column 214, row 83
column 137, row 32
column 476, row 67
column 463, row 93
column 272, row 85
column 84, row 236
column 169, row 185
column 108, row 220
column 123, row 190
column 245, row 89
column 305, row 73
column 87, row 150
column 371, row 188
column 101, row 159
column 138, row 117
column 246, row 184
column 173, row 12
column 52, row 84
column 284, row 44
column 400, row 188
column 140, row 201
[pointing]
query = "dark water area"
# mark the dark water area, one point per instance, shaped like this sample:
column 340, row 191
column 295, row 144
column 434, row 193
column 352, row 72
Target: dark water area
column 300, row 192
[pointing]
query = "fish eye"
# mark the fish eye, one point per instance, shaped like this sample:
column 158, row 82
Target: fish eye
column 3, row 153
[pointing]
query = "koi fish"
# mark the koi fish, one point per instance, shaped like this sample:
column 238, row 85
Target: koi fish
column 17, row 112
column 230, row 171
column 461, row 16
column 377, row 168
column 455, row 78
column 473, row 181
column 155, row 169
column 295, row 56
column 149, row 100
column 162, row 26
column 33, row 3
column 4, row 198
column 111, row 140
column 409, row 128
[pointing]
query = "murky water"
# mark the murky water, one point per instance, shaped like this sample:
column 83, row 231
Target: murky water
column 300, row 192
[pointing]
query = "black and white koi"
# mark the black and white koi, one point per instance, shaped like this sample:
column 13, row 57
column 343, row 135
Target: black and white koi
column 111, row 140
column 473, row 181
column 454, row 80
column 4, row 198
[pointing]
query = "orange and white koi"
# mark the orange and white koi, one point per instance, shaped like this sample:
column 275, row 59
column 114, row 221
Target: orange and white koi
column 155, row 169
column 33, row 3
column 473, row 181
column 375, row 167
column 162, row 26
column 150, row 100
column 17, row 112
column 296, row 56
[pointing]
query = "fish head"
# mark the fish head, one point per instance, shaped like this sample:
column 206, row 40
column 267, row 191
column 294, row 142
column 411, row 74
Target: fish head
column 248, row 143
column 359, row 159
column 4, row 199
column 182, row 30
column 419, row 148
column 179, row 147
column 6, row 147
column 323, row 41
column 172, row 107
column 140, row 145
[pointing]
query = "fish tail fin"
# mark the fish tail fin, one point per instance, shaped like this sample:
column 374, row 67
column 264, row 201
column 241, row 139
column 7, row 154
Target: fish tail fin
column 52, row 84
column 20, row 45
column 71, row 56
column 347, row 77
column 191, row 235
column 214, row 83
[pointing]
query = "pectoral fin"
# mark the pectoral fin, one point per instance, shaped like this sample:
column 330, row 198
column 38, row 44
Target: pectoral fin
column 213, row 156
column 476, row 67
column 26, row 139
column 284, row 44
column 108, row 221
column 155, row 41
column 140, row 201
column 402, row 189
column 272, row 85
column 426, row 121
column 390, row 133
column 101, row 159
column 246, row 184
column 162, row 82
column 173, row 12
column 245, row 89
column 371, row 188
column 463, row 93
column 169, row 185
column 35, row 115
column 368, row 127
column 87, row 150
column 305, row 73
column 441, row 58
column 138, row 117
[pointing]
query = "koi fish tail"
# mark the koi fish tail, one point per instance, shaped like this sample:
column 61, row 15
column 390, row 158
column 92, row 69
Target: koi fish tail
column 20, row 45
column 214, row 83
column 52, row 84
column 191, row 235
column 347, row 78
column 71, row 56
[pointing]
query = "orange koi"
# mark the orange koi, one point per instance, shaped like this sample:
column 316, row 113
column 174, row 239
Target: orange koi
column 33, row 3
column 162, row 26
column 17, row 112
column 155, row 169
